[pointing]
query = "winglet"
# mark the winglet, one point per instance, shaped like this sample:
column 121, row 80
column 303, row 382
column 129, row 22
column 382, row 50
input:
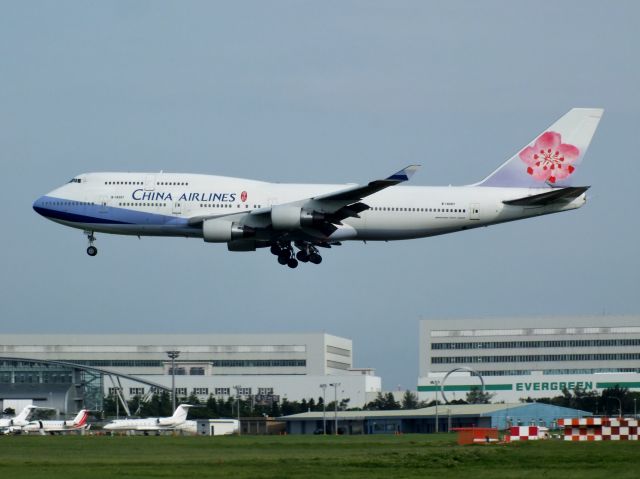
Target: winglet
column 404, row 174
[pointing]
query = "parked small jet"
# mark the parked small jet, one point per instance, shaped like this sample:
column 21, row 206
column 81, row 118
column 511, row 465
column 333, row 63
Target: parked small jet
column 151, row 424
column 247, row 214
column 15, row 424
column 52, row 427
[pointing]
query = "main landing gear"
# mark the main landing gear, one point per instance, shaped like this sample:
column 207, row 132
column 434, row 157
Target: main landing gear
column 91, row 250
column 307, row 254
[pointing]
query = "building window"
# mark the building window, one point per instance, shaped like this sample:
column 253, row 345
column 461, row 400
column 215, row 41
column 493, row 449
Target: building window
column 265, row 391
column 258, row 363
column 222, row 391
column 181, row 392
column 339, row 351
column 338, row 365
column 136, row 391
column 196, row 371
column 557, row 343
column 244, row 391
column 535, row 358
column 200, row 391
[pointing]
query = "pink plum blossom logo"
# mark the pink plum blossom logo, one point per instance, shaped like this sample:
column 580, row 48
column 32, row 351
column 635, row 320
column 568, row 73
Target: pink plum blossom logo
column 549, row 159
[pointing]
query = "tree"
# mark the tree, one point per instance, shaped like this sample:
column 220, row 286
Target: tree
column 212, row 407
column 409, row 400
column 477, row 396
column 383, row 402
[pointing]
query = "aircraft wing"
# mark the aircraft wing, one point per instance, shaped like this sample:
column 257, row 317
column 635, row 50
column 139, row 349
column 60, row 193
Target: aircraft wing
column 325, row 211
column 356, row 193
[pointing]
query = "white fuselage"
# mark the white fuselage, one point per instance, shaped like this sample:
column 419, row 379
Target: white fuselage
column 52, row 426
column 148, row 424
column 161, row 204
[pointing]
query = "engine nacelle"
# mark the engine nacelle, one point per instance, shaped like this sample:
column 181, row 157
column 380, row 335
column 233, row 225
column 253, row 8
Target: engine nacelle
column 222, row 231
column 285, row 217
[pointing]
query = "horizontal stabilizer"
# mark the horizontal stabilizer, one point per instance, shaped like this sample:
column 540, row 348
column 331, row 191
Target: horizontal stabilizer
column 561, row 194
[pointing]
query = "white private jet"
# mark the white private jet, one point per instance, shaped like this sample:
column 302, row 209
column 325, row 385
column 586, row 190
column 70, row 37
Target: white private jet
column 15, row 424
column 247, row 214
column 151, row 424
column 51, row 427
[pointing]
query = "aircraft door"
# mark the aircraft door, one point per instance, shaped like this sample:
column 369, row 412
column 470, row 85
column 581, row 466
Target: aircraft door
column 149, row 182
column 104, row 203
column 177, row 208
column 474, row 211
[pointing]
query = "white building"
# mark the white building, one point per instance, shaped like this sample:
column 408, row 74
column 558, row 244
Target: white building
column 291, row 366
column 528, row 357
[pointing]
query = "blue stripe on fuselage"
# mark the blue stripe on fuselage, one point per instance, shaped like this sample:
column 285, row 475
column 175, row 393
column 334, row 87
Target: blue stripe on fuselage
column 81, row 212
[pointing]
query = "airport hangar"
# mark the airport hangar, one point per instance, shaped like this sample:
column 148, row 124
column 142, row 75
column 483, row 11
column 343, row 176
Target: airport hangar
column 524, row 357
column 69, row 371
column 447, row 417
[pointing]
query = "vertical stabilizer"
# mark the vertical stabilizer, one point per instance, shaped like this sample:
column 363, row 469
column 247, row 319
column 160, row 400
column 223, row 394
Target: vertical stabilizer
column 180, row 414
column 81, row 418
column 24, row 414
column 553, row 156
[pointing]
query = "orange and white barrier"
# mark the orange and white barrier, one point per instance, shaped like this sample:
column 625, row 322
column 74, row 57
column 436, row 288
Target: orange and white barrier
column 523, row 433
column 600, row 429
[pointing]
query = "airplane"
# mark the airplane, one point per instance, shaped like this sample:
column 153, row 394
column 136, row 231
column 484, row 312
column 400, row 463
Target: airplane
column 76, row 424
column 247, row 214
column 149, row 424
column 15, row 424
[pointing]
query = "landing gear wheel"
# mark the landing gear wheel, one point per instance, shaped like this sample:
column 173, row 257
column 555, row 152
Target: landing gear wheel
column 292, row 263
column 315, row 258
column 302, row 256
column 283, row 259
column 91, row 250
column 275, row 250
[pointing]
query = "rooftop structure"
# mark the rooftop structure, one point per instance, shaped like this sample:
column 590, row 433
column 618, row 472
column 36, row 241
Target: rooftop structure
column 529, row 357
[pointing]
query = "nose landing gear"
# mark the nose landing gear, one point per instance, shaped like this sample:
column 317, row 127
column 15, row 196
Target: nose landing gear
column 91, row 250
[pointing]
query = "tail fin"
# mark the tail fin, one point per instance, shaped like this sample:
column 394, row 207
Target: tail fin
column 81, row 418
column 552, row 158
column 180, row 414
column 24, row 414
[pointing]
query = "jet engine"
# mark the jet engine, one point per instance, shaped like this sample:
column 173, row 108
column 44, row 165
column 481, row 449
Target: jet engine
column 284, row 217
column 222, row 231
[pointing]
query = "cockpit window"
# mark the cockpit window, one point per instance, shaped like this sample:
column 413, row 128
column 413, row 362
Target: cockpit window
column 75, row 180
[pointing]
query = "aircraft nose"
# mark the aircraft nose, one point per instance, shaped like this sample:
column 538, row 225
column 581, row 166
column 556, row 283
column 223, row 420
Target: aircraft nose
column 38, row 206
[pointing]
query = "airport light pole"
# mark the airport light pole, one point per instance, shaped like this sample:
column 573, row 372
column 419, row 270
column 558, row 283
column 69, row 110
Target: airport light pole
column 620, row 404
column 173, row 355
column 335, row 409
column 324, row 409
column 437, row 384
column 237, row 388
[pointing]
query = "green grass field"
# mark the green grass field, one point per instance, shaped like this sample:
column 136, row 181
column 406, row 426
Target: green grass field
column 309, row 457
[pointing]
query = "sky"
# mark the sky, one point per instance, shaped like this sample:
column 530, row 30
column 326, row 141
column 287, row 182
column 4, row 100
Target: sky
column 327, row 92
